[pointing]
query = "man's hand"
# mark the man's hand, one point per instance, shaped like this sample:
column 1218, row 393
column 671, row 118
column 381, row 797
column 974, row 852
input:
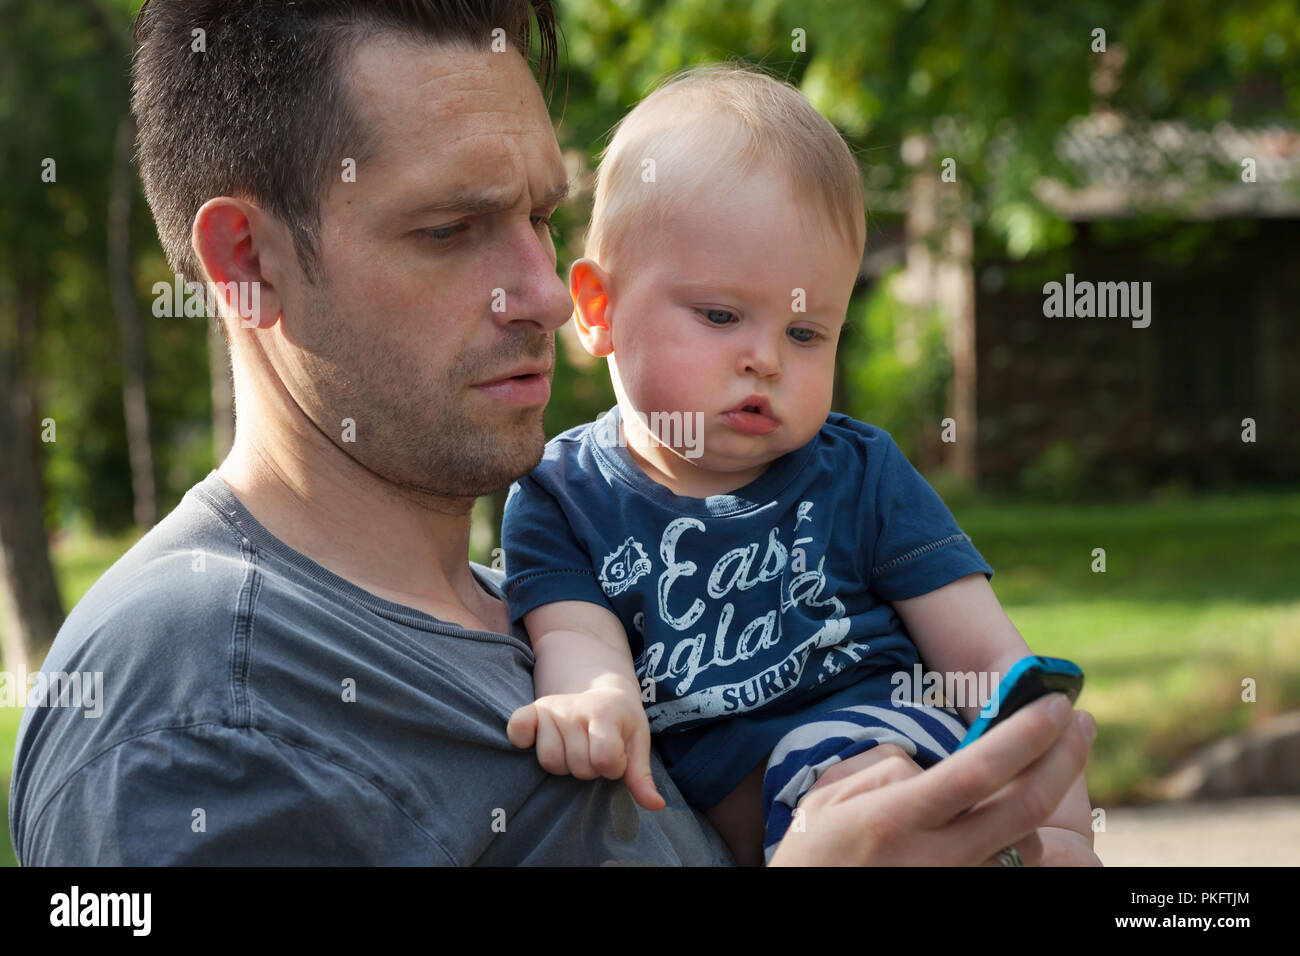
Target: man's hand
column 600, row 732
column 962, row 811
column 1062, row 847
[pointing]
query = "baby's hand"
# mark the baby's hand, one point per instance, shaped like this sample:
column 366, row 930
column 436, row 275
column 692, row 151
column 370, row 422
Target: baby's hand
column 598, row 732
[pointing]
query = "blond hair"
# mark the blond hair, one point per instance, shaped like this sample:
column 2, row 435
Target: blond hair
column 714, row 125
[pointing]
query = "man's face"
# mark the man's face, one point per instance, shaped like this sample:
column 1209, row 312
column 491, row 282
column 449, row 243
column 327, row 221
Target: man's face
column 433, row 328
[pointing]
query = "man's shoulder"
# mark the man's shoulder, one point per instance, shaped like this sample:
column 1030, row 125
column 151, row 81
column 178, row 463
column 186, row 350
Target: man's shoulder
column 185, row 573
column 212, row 794
column 134, row 654
column 145, row 639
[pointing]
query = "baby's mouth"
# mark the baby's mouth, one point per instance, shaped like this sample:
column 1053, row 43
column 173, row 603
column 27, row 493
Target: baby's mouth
column 754, row 404
column 753, row 416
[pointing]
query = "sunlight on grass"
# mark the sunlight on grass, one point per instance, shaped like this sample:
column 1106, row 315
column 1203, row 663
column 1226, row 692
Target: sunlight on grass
column 1163, row 679
column 80, row 560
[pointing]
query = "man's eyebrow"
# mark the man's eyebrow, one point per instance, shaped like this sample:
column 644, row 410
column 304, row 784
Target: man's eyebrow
column 557, row 194
column 487, row 203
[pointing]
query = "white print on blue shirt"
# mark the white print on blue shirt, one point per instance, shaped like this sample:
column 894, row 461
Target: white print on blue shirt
column 733, row 571
column 757, row 603
column 623, row 567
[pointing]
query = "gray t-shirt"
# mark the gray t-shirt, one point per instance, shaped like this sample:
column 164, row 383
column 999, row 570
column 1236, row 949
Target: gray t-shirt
column 258, row 709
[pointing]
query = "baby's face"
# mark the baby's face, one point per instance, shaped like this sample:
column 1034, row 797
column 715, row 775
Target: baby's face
column 734, row 312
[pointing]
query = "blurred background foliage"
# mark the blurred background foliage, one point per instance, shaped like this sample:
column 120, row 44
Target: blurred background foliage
column 993, row 81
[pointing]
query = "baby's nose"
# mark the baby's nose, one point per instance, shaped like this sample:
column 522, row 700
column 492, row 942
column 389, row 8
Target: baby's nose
column 760, row 358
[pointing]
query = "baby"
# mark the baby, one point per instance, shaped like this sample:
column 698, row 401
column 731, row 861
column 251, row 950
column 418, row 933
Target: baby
column 720, row 560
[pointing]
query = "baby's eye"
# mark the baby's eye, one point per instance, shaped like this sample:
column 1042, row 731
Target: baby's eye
column 803, row 336
column 718, row 316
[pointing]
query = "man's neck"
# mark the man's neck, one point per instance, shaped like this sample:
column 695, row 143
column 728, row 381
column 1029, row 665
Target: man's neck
column 398, row 544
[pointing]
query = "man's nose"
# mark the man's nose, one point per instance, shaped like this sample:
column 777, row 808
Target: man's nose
column 537, row 294
column 760, row 356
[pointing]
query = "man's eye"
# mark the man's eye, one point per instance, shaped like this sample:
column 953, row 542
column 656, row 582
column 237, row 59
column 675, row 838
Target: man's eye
column 718, row 316
column 550, row 227
column 444, row 233
column 803, row 336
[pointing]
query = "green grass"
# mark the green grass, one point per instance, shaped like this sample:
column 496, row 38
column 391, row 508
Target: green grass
column 1198, row 594
column 80, row 560
column 9, row 718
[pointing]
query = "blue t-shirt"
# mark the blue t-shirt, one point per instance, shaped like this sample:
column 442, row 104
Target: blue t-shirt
column 747, row 612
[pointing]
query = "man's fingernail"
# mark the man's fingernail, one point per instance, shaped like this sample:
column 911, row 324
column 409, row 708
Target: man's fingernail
column 1059, row 708
column 1088, row 726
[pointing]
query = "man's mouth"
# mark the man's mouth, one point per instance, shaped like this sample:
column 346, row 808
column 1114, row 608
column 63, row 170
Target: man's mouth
column 524, row 386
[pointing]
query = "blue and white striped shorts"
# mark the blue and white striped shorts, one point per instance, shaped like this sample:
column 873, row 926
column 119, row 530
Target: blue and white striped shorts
column 926, row 733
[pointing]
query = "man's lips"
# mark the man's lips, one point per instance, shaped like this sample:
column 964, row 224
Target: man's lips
column 525, row 386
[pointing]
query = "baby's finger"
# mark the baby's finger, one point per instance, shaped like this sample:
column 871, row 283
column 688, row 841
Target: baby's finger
column 550, row 744
column 640, row 781
column 522, row 727
column 606, row 748
column 576, row 749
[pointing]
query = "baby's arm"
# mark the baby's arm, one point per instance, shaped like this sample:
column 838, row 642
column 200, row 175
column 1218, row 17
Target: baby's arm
column 961, row 627
column 587, row 719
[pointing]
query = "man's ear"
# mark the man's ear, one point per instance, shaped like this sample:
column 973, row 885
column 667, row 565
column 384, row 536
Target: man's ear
column 231, row 240
column 589, row 286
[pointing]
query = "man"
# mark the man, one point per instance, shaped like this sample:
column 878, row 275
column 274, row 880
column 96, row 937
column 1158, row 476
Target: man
column 299, row 664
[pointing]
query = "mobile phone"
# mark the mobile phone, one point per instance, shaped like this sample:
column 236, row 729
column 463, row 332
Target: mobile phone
column 1029, row 679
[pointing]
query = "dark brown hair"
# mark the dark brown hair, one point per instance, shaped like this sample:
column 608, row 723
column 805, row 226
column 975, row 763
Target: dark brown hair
column 263, row 112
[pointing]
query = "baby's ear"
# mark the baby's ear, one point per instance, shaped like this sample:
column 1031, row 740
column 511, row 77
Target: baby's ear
column 589, row 286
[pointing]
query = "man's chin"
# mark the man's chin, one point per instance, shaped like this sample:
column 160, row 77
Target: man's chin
column 516, row 451
column 504, row 453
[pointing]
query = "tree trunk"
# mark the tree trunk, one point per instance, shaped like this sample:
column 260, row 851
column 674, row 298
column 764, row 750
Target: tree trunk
column 31, row 611
column 957, row 295
column 939, row 273
column 134, row 398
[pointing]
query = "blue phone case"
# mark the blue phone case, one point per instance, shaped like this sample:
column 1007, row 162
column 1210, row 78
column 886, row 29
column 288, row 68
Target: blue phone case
column 1029, row 679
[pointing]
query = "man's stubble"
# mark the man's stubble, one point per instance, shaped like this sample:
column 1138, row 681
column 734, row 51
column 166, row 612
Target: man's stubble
column 423, row 431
